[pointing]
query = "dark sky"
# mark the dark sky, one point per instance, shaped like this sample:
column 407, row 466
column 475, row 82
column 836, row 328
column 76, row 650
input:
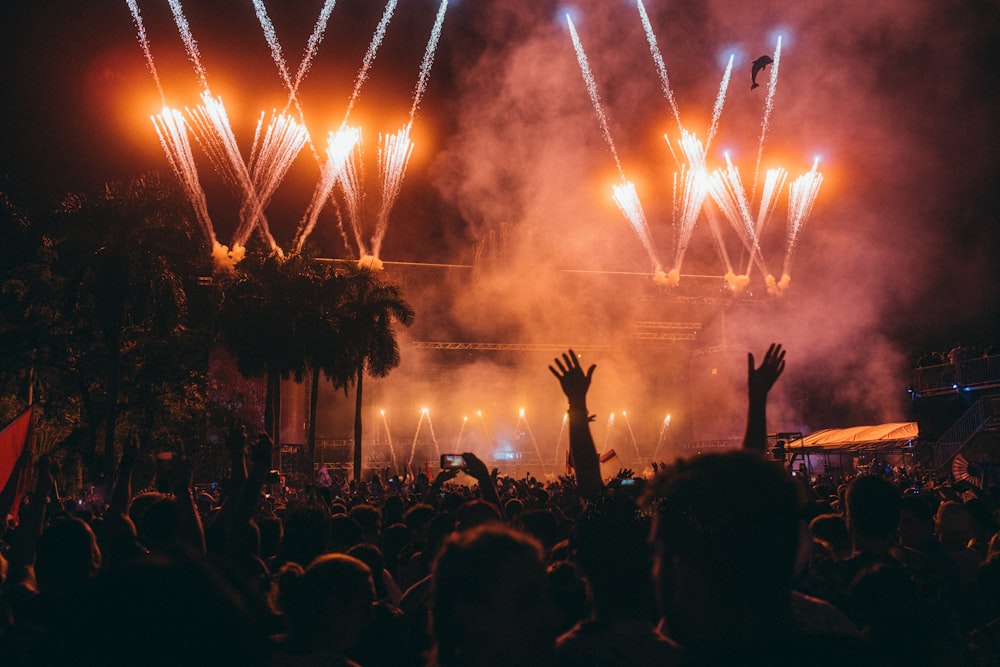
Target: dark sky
column 901, row 100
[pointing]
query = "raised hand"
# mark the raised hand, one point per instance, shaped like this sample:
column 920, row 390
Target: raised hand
column 262, row 450
column 130, row 449
column 475, row 467
column 236, row 436
column 180, row 474
column 761, row 379
column 575, row 383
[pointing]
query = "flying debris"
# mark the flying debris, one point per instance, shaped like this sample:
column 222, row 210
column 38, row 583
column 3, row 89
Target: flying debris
column 758, row 65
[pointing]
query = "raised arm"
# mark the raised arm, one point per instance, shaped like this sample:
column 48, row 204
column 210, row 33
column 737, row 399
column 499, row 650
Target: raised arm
column 21, row 558
column 122, row 494
column 760, row 380
column 189, row 528
column 583, row 454
column 475, row 467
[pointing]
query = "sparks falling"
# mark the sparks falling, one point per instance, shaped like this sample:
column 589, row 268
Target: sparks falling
column 595, row 98
column 772, row 85
column 802, row 195
column 661, row 67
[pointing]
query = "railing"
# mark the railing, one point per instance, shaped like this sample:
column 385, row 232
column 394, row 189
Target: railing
column 968, row 373
column 985, row 413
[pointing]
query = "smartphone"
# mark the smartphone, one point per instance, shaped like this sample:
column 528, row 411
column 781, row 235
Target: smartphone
column 452, row 462
column 628, row 482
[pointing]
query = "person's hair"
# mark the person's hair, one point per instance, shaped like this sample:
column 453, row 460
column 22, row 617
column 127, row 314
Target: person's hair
column 162, row 610
column 610, row 543
column 733, row 516
column 917, row 506
column 371, row 555
column 873, row 506
column 831, row 529
column 345, row 532
column 418, row 516
column 303, row 593
column 953, row 521
column 307, row 531
column 473, row 513
column 368, row 517
column 66, row 555
column 542, row 525
column 392, row 510
column 466, row 572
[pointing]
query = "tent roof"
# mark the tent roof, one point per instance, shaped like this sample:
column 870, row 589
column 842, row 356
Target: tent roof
column 880, row 436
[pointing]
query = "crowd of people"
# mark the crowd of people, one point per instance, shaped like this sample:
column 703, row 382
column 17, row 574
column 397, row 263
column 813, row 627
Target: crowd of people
column 720, row 559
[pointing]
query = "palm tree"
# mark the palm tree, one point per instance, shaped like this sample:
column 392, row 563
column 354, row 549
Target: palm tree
column 324, row 343
column 125, row 258
column 367, row 315
column 264, row 305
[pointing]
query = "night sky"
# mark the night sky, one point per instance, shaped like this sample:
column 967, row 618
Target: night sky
column 900, row 99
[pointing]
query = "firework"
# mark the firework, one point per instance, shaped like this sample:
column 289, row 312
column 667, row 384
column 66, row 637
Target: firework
column 661, row 67
column 772, row 85
column 802, row 195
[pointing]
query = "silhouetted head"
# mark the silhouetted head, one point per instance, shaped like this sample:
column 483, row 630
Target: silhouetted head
column 328, row 604
column 307, row 531
column 66, row 556
column 872, row 508
column 725, row 538
column 490, row 600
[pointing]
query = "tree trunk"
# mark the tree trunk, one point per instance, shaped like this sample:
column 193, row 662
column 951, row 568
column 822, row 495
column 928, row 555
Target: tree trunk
column 311, row 435
column 272, row 410
column 357, row 427
column 111, row 407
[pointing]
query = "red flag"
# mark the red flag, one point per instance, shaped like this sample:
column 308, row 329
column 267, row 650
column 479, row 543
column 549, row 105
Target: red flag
column 607, row 456
column 15, row 451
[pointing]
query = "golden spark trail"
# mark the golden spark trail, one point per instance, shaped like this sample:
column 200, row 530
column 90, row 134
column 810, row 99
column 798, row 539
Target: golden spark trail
column 413, row 447
column 339, row 147
column 425, row 65
column 486, row 431
column 715, row 226
column 212, row 120
column 728, row 192
column 772, row 85
column 562, row 429
column 595, row 98
column 661, row 67
column 461, row 430
column 802, row 195
column 625, row 196
column 282, row 143
column 388, row 439
column 370, row 54
column 171, row 129
column 189, row 43
column 774, row 180
column 631, row 435
column 531, row 436
column 720, row 100
column 690, row 190
column 624, row 193
column 607, row 434
column 350, row 181
column 393, row 157
column 395, row 150
column 144, row 43
column 313, row 44
column 664, row 427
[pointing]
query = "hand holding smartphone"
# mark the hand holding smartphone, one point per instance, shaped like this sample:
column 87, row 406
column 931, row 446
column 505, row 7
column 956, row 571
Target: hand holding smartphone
column 453, row 462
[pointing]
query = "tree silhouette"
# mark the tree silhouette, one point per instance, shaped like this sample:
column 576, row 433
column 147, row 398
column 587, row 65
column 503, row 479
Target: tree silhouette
column 368, row 312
